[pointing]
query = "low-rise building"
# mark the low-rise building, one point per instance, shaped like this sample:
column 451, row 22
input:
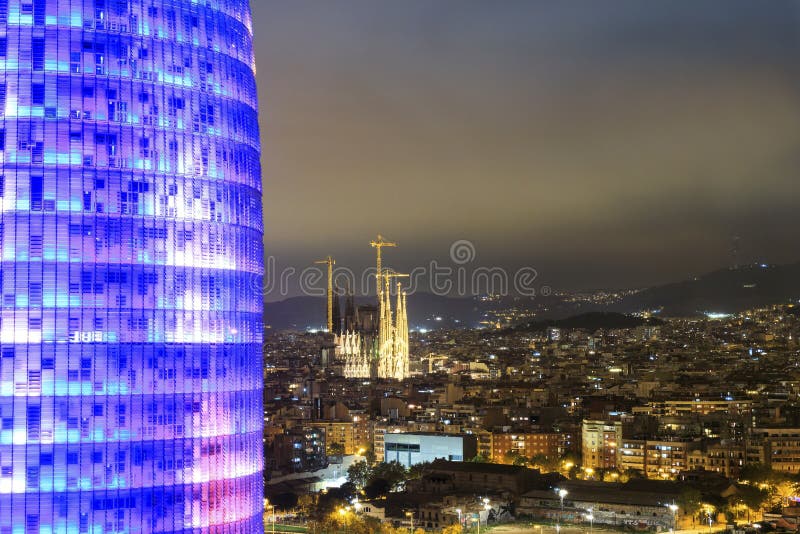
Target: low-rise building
column 665, row 459
column 299, row 449
column 444, row 477
column 639, row 504
column 632, row 455
column 546, row 445
column 723, row 457
column 414, row 448
column 781, row 448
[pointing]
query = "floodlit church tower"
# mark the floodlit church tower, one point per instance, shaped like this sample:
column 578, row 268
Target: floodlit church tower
column 351, row 348
column 393, row 354
column 386, row 337
column 400, row 356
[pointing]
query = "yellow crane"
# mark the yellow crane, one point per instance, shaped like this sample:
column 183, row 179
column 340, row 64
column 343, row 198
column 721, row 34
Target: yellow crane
column 432, row 357
column 330, row 262
column 388, row 275
column 377, row 245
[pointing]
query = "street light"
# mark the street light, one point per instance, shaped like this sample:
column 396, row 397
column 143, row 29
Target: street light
column 343, row 515
column 674, row 509
column 590, row 517
column 561, row 494
column 487, row 507
column 410, row 515
column 458, row 511
column 271, row 506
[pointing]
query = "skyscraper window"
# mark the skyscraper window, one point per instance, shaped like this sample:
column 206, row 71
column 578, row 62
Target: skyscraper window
column 131, row 255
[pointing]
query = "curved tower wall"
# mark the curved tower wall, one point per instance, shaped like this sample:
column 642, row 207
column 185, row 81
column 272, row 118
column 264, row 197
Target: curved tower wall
column 131, row 250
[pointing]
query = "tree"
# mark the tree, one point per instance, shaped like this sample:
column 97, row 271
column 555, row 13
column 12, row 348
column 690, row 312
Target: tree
column 369, row 456
column 377, row 488
column 336, row 448
column 521, row 460
column 359, row 473
column 386, row 477
column 284, row 501
column 452, row 529
column 569, row 463
column 752, row 497
column 538, row 460
column 306, row 503
column 546, row 464
column 479, row 459
column 690, row 501
column 757, row 473
column 779, row 485
column 631, row 474
column 511, row 456
column 417, row 470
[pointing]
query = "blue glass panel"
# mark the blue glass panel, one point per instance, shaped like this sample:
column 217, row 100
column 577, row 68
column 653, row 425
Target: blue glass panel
column 131, row 264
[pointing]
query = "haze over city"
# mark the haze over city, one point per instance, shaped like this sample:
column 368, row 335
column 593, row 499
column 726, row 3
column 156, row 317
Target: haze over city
column 605, row 144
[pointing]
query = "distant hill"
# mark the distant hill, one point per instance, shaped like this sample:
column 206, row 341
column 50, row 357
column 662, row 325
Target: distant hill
column 295, row 313
column 590, row 321
column 725, row 291
column 424, row 310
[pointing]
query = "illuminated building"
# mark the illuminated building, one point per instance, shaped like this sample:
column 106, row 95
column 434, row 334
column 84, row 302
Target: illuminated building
column 338, row 433
column 601, row 442
column 356, row 356
column 131, row 248
column 547, row 446
column 412, row 448
column 393, row 354
column 380, row 352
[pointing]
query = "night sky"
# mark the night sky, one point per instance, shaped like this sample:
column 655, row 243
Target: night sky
column 606, row 144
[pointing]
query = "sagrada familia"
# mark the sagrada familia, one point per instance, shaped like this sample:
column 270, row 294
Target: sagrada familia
column 371, row 341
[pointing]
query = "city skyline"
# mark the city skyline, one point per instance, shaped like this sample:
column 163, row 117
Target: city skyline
column 477, row 204
column 622, row 146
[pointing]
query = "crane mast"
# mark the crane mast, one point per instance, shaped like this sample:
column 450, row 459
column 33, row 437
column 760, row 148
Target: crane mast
column 378, row 245
column 330, row 262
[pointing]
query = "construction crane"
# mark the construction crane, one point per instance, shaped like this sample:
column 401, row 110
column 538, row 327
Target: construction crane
column 377, row 245
column 388, row 275
column 432, row 357
column 330, row 262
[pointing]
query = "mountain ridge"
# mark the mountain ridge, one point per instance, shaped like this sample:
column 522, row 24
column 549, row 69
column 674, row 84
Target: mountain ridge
column 727, row 290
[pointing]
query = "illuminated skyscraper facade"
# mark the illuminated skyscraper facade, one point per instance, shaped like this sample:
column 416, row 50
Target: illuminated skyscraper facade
column 131, row 250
